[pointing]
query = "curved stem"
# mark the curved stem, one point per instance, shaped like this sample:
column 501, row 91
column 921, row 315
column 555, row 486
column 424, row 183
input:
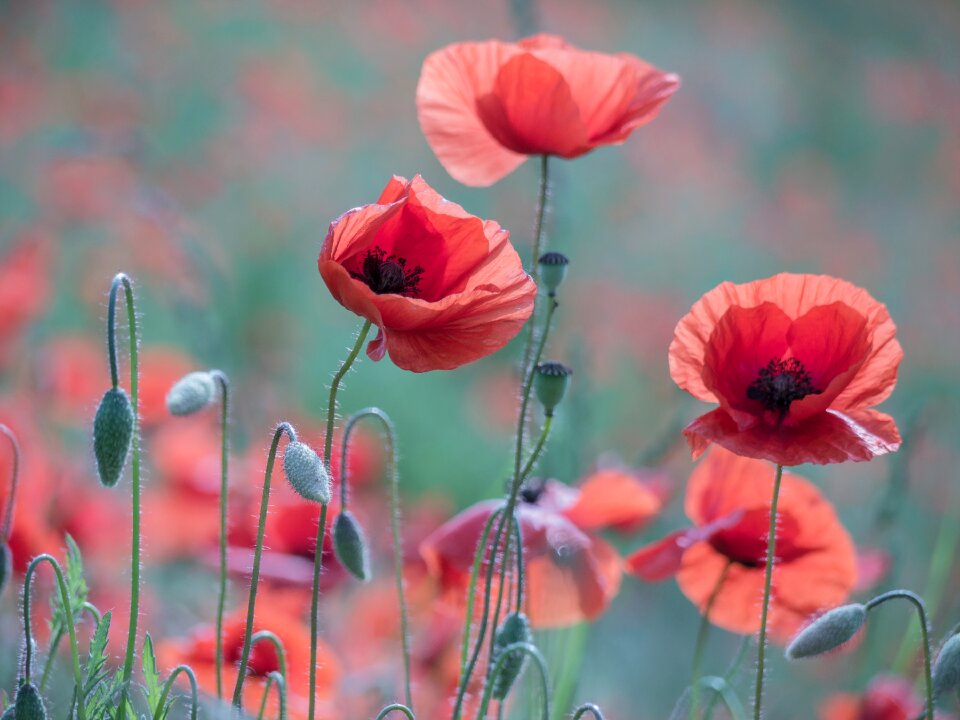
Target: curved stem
column 224, row 382
column 472, row 586
column 532, row 652
column 924, row 633
column 729, row 675
column 587, row 708
column 14, row 476
column 501, row 584
column 52, row 649
column 538, row 448
column 321, row 527
column 168, row 685
column 390, row 433
column 68, row 612
column 518, row 538
column 722, row 690
column 281, row 674
column 282, row 428
column 768, row 579
column 398, row 707
column 281, row 682
column 263, row 698
column 701, row 644
column 539, row 241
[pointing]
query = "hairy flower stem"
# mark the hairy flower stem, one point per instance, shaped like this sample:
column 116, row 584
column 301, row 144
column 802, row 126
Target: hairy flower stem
column 168, row 685
column 14, row 476
column 390, row 433
column 767, row 582
column 321, row 527
column 538, row 448
column 282, row 428
column 224, row 382
column 701, row 644
column 396, row 707
column 541, row 665
column 587, row 708
column 122, row 280
column 924, row 633
column 539, row 247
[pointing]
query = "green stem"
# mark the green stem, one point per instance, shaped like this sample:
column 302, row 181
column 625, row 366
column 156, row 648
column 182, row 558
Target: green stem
column 702, row 631
column 68, row 612
column 321, row 527
column 587, row 708
column 768, row 579
column 504, row 570
column 14, row 475
column 282, row 428
column 281, row 673
column 525, row 649
column 390, row 433
column 281, row 684
column 51, row 654
column 729, row 675
column 917, row 602
column 263, row 698
column 538, row 448
column 518, row 539
column 539, row 241
column 472, row 586
column 398, row 707
column 722, row 690
column 168, row 685
column 224, row 382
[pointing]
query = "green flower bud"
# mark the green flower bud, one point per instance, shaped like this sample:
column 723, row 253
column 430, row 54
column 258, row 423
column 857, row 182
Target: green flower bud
column 553, row 269
column 191, row 393
column 351, row 547
column 6, row 566
column 29, row 705
column 112, row 431
column 946, row 669
column 550, row 383
column 306, row 472
column 515, row 629
column 827, row 632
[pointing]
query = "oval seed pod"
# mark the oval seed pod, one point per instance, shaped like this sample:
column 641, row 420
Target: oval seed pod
column 6, row 566
column 350, row 546
column 112, row 431
column 515, row 629
column 946, row 669
column 191, row 393
column 306, row 472
column 827, row 632
column 29, row 705
column 550, row 383
column 553, row 269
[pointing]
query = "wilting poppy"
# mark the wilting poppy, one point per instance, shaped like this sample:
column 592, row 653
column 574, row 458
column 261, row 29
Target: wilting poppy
column 796, row 363
column 887, row 698
column 444, row 287
column 728, row 500
column 485, row 106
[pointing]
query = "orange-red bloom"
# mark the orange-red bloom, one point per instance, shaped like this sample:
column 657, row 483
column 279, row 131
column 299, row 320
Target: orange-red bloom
column 444, row 287
column 485, row 106
column 887, row 698
column 728, row 500
column 796, row 363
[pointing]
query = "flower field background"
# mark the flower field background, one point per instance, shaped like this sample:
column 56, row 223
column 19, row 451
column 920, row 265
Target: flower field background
column 205, row 148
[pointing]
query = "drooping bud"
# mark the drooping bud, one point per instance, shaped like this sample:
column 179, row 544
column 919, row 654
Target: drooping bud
column 112, row 431
column 827, row 632
column 351, row 547
column 6, row 566
column 946, row 669
column 306, row 472
column 191, row 393
column 550, row 383
column 515, row 629
column 29, row 705
column 553, row 269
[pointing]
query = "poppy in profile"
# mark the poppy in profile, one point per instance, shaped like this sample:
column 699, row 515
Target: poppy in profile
column 797, row 363
column 887, row 698
column 728, row 500
column 443, row 287
column 485, row 106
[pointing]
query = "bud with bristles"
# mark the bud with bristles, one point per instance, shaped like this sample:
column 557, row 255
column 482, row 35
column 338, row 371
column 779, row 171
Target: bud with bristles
column 515, row 629
column 550, row 383
column 191, row 393
column 306, row 472
column 6, row 566
column 553, row 268
column 351, row 546
column 29, row 705
column 112, row 431
column 828, row 632
column 946, row 669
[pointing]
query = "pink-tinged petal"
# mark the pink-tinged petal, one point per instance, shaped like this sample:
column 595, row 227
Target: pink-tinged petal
column 663, row 559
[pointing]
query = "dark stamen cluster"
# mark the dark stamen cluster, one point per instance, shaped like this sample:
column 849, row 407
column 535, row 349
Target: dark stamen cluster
column 386, row 274
column 781, row 382
column 532, row 489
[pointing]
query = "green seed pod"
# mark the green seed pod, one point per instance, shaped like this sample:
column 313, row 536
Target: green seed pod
column 827, row 632
column 515, row 629
column 191, row 393
column 946, row 669
column 112, row 431
column 306, row 472
column 351, row 546
column 6, row 566
column 29, row 705
column 550, row 383
column 553, row 269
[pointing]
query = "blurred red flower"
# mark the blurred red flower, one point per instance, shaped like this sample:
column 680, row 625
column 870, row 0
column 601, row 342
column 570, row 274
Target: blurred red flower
column 887, row 698
column 796, row 363
column 444, row 287
column 25, row 270
column 728, row 501
column 485, row 106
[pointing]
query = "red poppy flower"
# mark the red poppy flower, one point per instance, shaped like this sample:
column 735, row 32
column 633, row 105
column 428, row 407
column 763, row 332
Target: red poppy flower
column 485, row 106
column 728, row 500
column 887, row 698
column 796, row 363
column 444, row 287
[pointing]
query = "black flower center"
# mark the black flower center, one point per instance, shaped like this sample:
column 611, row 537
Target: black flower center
column 532, row 489
column 388, row 274
column 779, row 383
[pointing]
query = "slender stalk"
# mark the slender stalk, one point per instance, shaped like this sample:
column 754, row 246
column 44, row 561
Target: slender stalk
column 398, row 708
column 587, row 708
column 518, row 539
column 768, row 579
column 282, row 428
column 263, row 698
column 168, row 685
column 14, row 476
column 51, row 654
column 472, row 586
column 729, row 675
column 538, row 448
column 277, row 646
column 722, row 691
column 281, row 684
column 321, row 527
column 281, row 674
column 224, row 383
column 539, row 246
column 501, row 584
column 702, row 631
column 532, row 652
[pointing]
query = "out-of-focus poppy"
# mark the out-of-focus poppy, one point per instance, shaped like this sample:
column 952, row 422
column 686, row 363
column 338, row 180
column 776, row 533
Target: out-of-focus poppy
column 728, row 500
column 485, row 106
column 887, row 698
column 796, row 363
column 444, row 287
column 24, row 285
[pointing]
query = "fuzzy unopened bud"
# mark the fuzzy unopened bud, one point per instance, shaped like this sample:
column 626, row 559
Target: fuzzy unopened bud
column 946, row 669
column 191, row 393
column 553, row 269
column 29, row 705
column 550, row 383
column 6, row 566
column 827, row 632
column 306, row 472
column 112, row 431
column 351, row 546
column 515, row 629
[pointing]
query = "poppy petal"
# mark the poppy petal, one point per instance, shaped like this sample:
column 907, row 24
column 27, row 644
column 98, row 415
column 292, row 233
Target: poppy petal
column 613, row 497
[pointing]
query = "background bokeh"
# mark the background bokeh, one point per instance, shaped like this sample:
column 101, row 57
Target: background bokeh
column 204, row 147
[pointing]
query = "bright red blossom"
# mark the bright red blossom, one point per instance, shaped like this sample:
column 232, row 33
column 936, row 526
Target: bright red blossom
column 444, row 287
column 796, row 363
